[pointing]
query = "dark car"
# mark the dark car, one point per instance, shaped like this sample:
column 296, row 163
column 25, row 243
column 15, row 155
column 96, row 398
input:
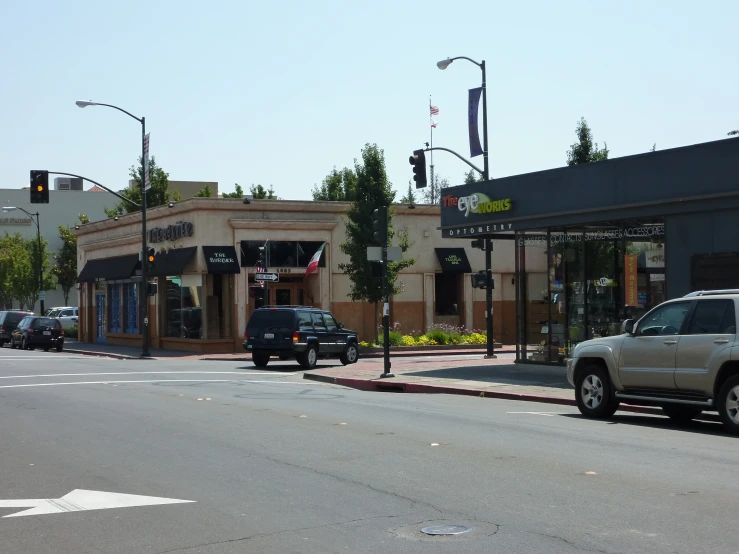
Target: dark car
column 303, row 333
column 8, row 322
column 33, row 331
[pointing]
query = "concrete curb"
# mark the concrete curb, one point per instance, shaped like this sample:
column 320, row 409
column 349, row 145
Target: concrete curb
column 418, row 388
column 106, row 355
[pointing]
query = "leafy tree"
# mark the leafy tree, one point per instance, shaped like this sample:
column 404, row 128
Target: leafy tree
column 432, row 193
column 338, row 186
column 410, row 196
column 734, row 133
column 11, row 250
column 373, row 191
column 21, row 269
column 65, row 269
column 584, row 150
column 205, row 192
column 158, row 195
column 472, row 176
column 258, row 192
column 239, row 193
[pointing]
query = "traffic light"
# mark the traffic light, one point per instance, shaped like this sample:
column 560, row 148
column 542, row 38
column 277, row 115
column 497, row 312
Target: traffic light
column 152, row 288
column 150, row 257
column 479, row 280
column 478, row 243
column 379, row 223
column 39, row 186
column 418, row 161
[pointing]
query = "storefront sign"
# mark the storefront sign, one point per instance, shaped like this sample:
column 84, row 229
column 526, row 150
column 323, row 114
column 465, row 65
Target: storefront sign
column 478, row 230
column 221, row 260
column 633, row 233
column 477, row 203
column 174, row 232
column 632, row 296
column 14, row 221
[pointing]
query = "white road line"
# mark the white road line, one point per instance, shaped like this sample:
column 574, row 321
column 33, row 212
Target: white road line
column 42, row 357
column 149, row 373
column 547, row 414
column 313, row 383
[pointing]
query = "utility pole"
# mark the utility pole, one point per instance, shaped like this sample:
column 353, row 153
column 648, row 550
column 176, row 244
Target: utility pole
column 381, row 236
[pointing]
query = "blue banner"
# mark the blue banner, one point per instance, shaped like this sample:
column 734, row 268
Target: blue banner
column 474, row 104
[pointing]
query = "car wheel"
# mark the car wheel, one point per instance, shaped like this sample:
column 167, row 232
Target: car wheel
column 681, row 414
column 24, row 346
column 350, row 355
column 309, row 358
column 12, row 344
column 260, row 360
column 728, row 404
column 594, row 393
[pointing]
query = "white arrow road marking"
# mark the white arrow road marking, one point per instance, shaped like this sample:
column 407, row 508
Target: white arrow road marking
column 80, row 500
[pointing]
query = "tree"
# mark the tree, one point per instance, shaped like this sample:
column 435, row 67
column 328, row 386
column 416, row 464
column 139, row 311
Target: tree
column 410, row 196
column 239, row 193
column 258, row 192
column 338, row 186
column 11, row 249
column 65, row 269
column 734, row 133
column 472, row 176
column 432, row 193
column 158, row 195
column 373, row 190
column 205, row 192
column 584, row 150
column 21, row 269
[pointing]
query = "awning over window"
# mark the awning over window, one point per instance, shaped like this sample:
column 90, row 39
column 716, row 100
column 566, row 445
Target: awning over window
column 221, row 260
column 172, row 262
column 108, row 269
column 453, row 260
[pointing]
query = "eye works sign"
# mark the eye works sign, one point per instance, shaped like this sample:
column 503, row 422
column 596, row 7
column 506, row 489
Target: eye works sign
column 477, row 203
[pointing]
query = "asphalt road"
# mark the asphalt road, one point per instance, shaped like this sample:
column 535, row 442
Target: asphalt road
column 276, row 464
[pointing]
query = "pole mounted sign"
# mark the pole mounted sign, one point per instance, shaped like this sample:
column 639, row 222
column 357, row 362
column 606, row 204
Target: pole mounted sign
column 147, row 183
column 274, row 277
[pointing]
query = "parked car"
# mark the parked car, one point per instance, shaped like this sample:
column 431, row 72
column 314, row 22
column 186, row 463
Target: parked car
column 33, row 331
column 301, row 333
column 8, row 322
column 68, row 316
column 682, row 356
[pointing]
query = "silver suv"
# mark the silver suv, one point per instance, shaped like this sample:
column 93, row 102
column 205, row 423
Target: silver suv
column 682, row 356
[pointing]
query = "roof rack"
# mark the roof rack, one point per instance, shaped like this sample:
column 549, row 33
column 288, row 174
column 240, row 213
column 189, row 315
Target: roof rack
column 284, row 306
column 711, row 292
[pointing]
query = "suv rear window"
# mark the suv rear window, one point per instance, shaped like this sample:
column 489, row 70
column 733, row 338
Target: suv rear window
column 14, row 317
column 282, row 319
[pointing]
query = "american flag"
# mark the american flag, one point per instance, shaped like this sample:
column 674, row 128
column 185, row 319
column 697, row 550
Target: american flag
column 433, row 123
column 434, row 110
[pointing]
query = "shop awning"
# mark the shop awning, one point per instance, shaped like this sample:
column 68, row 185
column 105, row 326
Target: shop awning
column 453, row 260
column 172, row 262
column 108, row 269
column 221, row 260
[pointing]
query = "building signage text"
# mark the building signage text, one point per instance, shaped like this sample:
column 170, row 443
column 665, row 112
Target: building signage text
column 478, row 229
column 174, row 232
column 477, row 203
column 14, row 221
column 634, row 233
column 221, row 258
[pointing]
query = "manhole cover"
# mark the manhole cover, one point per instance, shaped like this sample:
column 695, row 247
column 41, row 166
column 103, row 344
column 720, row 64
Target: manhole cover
column 446, row 529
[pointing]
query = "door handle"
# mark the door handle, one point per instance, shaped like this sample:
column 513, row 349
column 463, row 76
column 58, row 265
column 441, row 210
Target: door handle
column 670, row 341
column 721, row 341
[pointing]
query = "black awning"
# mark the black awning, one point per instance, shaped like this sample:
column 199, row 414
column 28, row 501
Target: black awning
column 453, row 260
column 108, row 269
column 221, row 260
column 172, row 262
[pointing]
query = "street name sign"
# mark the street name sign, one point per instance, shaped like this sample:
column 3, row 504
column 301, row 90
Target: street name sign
column 274, row 277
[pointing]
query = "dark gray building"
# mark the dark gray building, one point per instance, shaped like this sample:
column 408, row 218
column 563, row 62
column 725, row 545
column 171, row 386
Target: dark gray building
column 619, row 236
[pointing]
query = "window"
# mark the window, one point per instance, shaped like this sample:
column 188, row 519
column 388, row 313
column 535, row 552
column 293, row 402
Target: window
column 184, row 312
column 45, row 323
column 304, row 320
column 713, row 317
column 330, row 322
column 65, row 313
column 318, row 322
column 219, row 301
column 130, row 301
column 446, row 293
column 114, row 301
column 280, row 253
column 665, row 320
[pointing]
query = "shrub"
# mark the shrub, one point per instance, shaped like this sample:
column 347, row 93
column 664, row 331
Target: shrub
column 365, row 344
column 408, row 340
column 396, row 338
column 71, row 332
column 476, row 338
column 438, row 336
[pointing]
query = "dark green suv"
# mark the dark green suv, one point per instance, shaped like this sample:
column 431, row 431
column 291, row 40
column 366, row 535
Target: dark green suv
column 301, row 333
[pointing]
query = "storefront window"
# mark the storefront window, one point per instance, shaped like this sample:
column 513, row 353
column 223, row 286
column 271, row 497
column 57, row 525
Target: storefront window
column 130, row 302
column 184, row 317
column 446, row 294
column 219, row 306
column 280, row 253
column 114, row 301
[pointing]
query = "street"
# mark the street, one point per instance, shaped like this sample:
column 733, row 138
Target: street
column 269, row 462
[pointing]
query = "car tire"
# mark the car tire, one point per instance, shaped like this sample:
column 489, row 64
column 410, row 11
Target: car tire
column 728, row 404
column 681, row 414
column 260, row 360
column 309, row 358
column 350, row 355
column 594, row 393
column 12, row 344
column 24, row 346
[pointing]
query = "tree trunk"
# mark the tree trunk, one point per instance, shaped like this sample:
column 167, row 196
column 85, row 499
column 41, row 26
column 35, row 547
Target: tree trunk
column 65, row 291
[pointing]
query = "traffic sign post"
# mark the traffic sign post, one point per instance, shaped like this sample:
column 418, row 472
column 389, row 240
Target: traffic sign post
column 273, row 277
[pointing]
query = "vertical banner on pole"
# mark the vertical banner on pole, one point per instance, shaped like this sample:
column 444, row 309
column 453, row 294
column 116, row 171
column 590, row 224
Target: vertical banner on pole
column 630, row 275
column 474, row 104
column 147, row 184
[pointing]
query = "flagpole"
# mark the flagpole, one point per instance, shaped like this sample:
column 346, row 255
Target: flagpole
column 431, row 165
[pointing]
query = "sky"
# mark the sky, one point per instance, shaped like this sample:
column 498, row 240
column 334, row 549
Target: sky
column 281, row 92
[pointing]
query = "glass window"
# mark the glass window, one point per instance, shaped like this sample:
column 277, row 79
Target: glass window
column 330, row 322
column 713, row 317
column 250, row 250
column 219, row 306
column 304, row 320
column 270, row 319
column 280, row 253
column 114, row 301
column 665, row 320
column 184, row 312
column 44, row 322
column 131, row 304
column 306, row 250
column 318, row 322
column 446, row 293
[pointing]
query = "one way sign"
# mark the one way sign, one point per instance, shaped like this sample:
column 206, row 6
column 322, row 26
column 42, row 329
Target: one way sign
column 274, row 277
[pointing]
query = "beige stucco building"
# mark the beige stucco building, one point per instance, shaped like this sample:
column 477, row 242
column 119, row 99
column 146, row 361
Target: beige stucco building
column 207, row 252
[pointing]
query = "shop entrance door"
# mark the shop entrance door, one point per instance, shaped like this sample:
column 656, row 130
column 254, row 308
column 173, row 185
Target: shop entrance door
column 100, row 317
column 287, row 294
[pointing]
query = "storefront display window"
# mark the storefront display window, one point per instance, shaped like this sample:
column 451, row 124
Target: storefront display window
column 184, row 312
column 114, row 301
column 219, row 306
column 131, row 303
column 280, row 253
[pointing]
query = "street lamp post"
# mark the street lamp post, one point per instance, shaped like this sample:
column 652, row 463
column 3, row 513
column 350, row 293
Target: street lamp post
column 443, row 64
column 40, row 253
column 144, row 294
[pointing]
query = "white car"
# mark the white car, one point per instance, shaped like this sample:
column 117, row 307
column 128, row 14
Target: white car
column 66, row 315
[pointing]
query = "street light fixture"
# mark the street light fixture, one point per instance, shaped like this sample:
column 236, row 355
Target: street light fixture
column 143, row 296
column 443, row 64
column 7, row 209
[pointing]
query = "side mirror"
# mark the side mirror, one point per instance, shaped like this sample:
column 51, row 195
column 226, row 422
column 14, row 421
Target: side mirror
column 340, row 325
column 628, row 327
